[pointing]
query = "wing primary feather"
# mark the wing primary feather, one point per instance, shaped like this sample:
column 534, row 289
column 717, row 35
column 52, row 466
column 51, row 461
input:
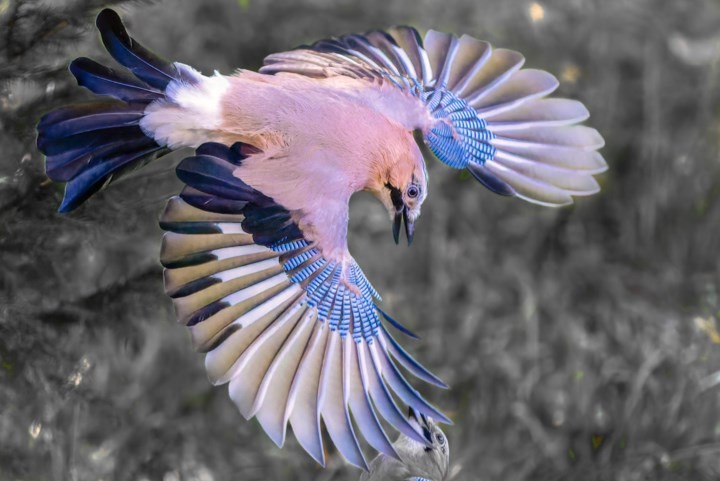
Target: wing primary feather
column 359, row 402
column 222, row 361
column 397, row 56
column 206, row 328
column 490, row 181
column 478, row 53
column 497, row 69
column 571, row 136
column 397, row 325
column 410, row 41
column 443, row 76
column 530, row 189
column 272, row 399
column 437, row 45
column 253, row 364
column 401, row 387
column 379, row 57
column 331, row 400
column 408, row 362
column 182, row 281
column 347, row 379
column 575, row 182
column 180, row 249
column 382, row 398
column 542, row 112
column 302, row 407
column 521, row 87
column 242, row 278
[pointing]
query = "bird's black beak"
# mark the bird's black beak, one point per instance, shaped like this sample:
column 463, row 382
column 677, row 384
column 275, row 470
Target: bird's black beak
column 396, row 226
column 401, row 213
column 409, row 226
column 402, row 216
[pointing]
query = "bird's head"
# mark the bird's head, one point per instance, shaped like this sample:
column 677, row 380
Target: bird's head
column 401, row 185
column 430, row 460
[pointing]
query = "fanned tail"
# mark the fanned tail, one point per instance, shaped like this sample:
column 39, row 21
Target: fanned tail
column 91, row 145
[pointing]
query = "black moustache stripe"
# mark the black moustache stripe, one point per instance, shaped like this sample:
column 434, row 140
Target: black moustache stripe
column 395, row 196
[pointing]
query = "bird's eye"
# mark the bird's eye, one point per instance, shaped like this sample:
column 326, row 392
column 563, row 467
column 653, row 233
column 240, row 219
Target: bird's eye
column 413, row 191
column 440, row 439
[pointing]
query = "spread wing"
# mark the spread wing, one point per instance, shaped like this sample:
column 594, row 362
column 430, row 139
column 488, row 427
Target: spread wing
column 491, row 116
column 297, row 337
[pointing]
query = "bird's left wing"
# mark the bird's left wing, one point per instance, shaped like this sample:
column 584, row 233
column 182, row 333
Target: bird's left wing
column 297, row 336
column 489, row 115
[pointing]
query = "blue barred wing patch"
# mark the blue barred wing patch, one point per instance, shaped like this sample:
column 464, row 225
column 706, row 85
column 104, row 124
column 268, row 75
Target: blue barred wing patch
column 461, row 136
column 326, row 291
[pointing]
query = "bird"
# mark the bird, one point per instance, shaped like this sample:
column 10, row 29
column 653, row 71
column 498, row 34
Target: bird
column 255, row 253
column 427, row 461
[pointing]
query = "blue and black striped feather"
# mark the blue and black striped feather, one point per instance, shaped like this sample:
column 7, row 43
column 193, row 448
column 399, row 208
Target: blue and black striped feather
column 277, row 322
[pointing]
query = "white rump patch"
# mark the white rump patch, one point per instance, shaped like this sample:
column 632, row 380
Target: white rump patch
column 186, row 114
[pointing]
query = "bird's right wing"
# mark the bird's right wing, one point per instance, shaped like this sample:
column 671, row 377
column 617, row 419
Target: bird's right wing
column 490, row 115
column 296, row 334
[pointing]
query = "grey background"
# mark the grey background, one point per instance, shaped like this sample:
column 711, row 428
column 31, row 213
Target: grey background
column 580, row 343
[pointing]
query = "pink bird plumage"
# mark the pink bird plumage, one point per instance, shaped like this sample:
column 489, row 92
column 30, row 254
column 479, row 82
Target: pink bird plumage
column 256, row 252
column 332, row 137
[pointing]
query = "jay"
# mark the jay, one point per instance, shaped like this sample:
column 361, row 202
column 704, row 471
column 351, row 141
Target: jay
column 255, row 255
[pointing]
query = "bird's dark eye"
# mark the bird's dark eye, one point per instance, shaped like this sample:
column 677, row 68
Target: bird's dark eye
column 413, row 191
column 440, row 439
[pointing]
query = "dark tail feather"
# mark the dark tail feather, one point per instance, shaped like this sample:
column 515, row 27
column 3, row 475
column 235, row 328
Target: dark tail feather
column 146, row 66
column 69, row 156
column 94, row 178
column 106, row 81
column 82, row 118
column 88, row 146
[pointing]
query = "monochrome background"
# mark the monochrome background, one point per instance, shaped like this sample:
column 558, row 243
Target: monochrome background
column 580, row 343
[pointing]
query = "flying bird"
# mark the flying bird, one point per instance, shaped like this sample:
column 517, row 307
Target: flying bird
column 255, row 255
column 428, row 461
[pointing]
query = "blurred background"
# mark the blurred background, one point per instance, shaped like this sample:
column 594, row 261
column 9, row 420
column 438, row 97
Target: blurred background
column 580, row 343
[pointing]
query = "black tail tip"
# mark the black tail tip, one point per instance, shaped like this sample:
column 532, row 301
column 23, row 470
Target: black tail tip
column 108, row 19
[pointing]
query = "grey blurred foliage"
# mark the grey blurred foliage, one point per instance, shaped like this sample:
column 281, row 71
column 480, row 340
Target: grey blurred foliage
column 580, row 343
